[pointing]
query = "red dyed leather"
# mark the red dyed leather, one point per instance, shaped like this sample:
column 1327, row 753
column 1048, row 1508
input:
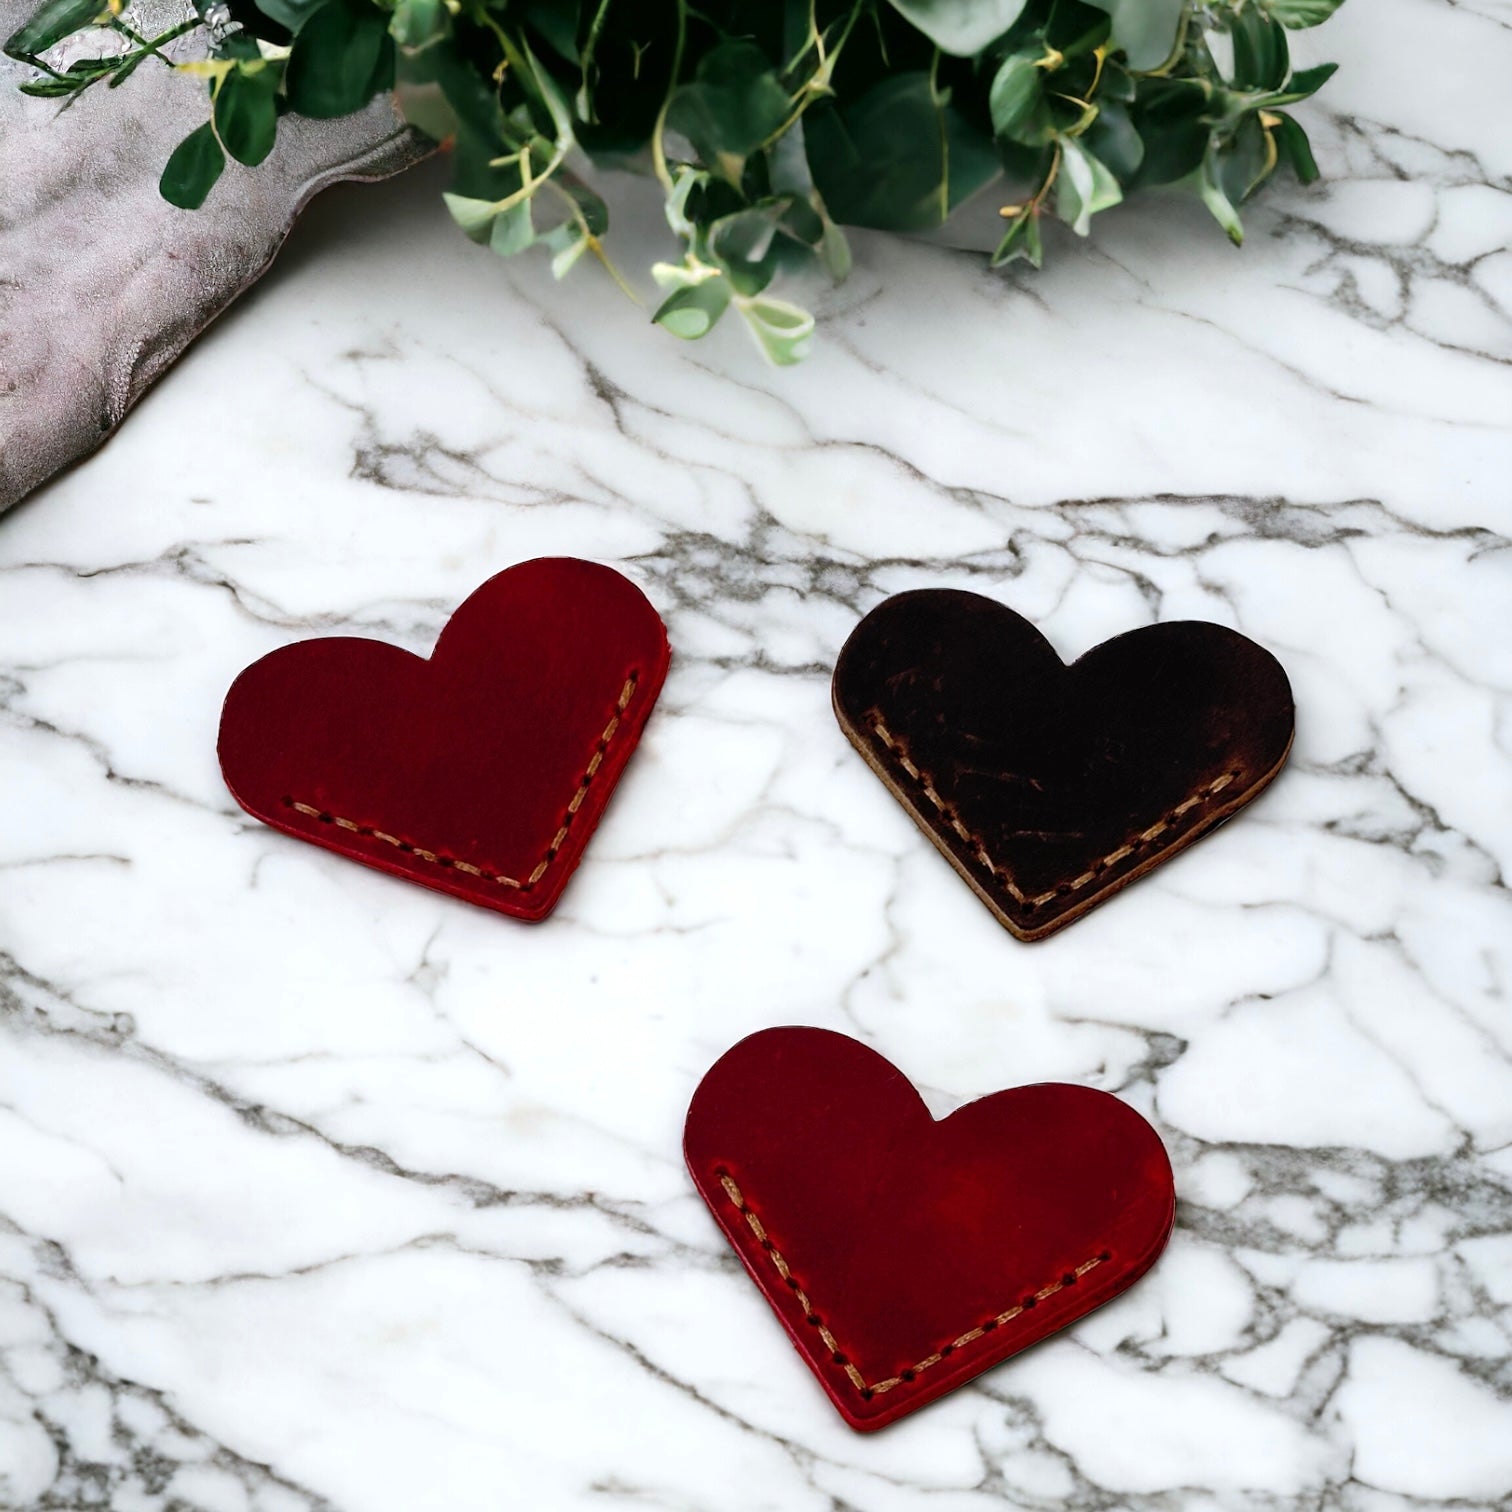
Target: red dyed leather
column 891, row 1240
column 485, row 766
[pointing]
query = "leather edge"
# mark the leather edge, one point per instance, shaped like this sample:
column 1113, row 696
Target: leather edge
column 1211, row 820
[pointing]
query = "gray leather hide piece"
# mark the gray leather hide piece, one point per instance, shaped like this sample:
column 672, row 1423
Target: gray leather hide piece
column 102, row 282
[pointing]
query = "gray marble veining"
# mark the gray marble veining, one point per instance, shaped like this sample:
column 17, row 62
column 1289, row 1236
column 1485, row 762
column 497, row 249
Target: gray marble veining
column 318, row 1191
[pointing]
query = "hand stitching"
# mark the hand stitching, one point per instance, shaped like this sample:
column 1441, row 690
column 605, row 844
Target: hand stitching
column 998, row 873
column 838, row 1355
column 451, row 863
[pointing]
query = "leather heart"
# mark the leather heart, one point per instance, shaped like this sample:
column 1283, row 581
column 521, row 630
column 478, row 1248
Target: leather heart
column 1050, row 787
column 903, row 1255
column 481, row 772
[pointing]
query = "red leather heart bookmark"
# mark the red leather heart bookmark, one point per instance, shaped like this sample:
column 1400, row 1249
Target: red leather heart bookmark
column 906, row 1255
column 480, row 772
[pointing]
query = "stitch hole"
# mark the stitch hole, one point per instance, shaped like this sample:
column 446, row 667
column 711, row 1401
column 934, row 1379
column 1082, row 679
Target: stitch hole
column 867, row 1393
column 1069, row 1279
column 721, row 1172
column 907, row 1375
column 288, row 802
column 767, row 1244
column 1030, row 1302
column 813, row 1320
column 1104, row 1257
column 792, row 1282
column 406, row 847
column 989, row 1325
column 840, row 1359
column 327, row 818
column 947, row 1349
column 445, row 861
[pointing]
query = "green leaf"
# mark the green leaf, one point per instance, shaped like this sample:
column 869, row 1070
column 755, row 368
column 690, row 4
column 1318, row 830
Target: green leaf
column 788, row 167
column 730, row 109
column 1117, row 84
column 1171, row 118
column 289, row 13
column 1085, row 186
column 245, row 113
column 554, row 101
column 1241, row 164
column 418, row 24
column 835, row 252
column 1297, row 15
column 695, row 303
column 1302, row 85
column 742, row 245
column 962, row 28
column 48, row 89
column 1112, row 139
column 192, row 170
column 340, row 59
column 474, row 216
column 255, row 25
column 504, row 231
column 899, row 159
column 49, row 24
column 782, row 331
column 591, row 206
column 513, row 230
column 473, row 102
column 1146, row 30
column 1016, row 100
column 1022, row 242
column 1076, row 28
column 566, row 243
column 557, row 22
column 1222, row 208
column 1292, row 141
column 1262, row 59
column 239, row 47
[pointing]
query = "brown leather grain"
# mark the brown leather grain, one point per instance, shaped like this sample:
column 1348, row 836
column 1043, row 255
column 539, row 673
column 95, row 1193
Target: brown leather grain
column 1050, row 787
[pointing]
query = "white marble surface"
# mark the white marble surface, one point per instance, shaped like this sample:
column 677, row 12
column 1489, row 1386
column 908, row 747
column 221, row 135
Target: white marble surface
column 321, row 1191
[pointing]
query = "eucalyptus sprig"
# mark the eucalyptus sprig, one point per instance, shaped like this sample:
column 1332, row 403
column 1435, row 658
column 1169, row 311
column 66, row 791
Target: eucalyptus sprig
column 770, row 124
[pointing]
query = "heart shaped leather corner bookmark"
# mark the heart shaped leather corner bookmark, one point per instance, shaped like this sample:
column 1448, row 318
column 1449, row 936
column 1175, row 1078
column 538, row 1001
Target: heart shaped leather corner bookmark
column 1050, row 787
column 906, row 1255
column 480, row 772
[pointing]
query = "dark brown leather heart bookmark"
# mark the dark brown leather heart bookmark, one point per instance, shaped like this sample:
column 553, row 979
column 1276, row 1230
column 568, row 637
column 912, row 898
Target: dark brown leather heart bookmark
column 1051, row 787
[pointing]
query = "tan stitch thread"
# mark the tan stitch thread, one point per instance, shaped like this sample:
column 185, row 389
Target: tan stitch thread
column 837, row 1355
column 1001, row 877
column 451, row 863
